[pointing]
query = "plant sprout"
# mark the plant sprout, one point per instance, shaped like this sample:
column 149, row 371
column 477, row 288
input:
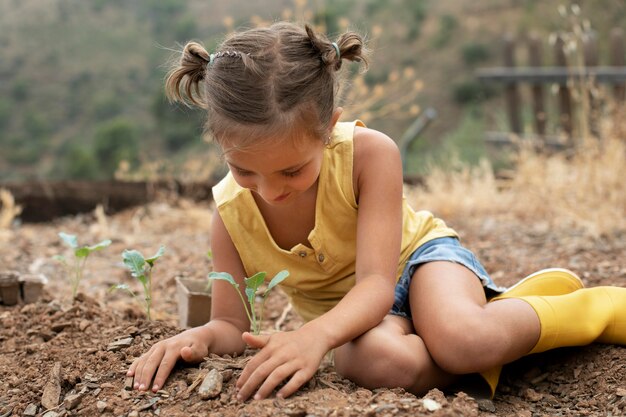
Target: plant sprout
column 252, row 285
column 140, row 268
column 75, row 272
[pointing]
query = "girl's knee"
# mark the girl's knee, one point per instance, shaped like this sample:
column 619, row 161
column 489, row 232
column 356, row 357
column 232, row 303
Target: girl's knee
column 457, row 346
column 374, row 362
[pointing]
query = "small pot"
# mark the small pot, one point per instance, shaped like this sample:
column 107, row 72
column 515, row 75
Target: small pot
column 9, row 288
column 194, row 302
column 32, row 286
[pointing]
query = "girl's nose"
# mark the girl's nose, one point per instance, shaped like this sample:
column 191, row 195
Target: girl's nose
column 269, row 191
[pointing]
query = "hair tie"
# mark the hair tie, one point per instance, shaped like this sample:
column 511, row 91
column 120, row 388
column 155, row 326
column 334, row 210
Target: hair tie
column 337, row 50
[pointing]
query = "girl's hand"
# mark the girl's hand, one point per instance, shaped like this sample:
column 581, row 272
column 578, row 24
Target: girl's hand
column 191, row 346
column 295, row 355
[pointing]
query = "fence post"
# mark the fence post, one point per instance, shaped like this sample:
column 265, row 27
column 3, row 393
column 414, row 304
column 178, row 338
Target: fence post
column 539, row 114
column 565, row 101
column 590, row 85
column 510, row 90
column 617, row 60
column 619, row 90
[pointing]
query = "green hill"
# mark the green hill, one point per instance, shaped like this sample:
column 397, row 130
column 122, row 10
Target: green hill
column 81, row 81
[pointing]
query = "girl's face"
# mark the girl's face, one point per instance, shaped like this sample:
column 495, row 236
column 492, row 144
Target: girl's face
column 278, row 171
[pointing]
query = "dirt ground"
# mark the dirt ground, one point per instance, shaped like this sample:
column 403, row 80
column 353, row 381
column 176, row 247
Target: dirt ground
column 77, row 353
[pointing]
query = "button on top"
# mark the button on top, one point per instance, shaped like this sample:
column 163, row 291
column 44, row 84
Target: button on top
column 320, row 257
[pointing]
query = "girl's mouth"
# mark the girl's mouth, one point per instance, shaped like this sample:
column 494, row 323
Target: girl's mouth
column 282, row 197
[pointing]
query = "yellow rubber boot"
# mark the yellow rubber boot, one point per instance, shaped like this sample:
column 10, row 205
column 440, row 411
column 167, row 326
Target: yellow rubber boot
column 553, row 281
column 589, row 315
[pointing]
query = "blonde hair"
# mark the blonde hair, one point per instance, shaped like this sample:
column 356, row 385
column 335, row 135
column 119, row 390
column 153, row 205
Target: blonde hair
column 266, row 80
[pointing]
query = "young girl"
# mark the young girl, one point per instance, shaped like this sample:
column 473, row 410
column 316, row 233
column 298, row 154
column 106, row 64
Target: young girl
column 390, row 290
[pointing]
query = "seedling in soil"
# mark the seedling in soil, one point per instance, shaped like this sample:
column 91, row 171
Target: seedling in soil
column 140, row 268
column 252, row 285
column 76, row 270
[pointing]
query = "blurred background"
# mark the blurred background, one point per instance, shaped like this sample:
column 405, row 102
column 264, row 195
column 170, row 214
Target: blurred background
column 81, row 81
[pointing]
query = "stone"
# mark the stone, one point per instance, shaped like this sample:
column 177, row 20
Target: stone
column 52, row 390
column 211, row 386
column 30, row 411
column 71, row 401
column 119, row 344
column 101, row 406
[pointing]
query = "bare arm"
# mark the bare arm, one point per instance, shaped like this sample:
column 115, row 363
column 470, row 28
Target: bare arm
column 220, row 335
column 378, row 184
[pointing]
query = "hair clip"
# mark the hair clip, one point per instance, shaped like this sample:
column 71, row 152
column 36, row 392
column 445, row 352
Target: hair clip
column 337, row 50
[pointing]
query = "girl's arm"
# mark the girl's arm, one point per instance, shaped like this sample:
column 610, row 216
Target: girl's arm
column 296, row 355
column 221, row 335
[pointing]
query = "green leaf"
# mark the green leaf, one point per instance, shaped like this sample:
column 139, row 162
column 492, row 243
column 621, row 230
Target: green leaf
column 255, row 280
column 278, row 278
column 70, row 240
column 82, row 252
column 156, row 256
column 134, row 261
column 224, row 276
column 209, row 255
column 251, row 294
column 98, row 246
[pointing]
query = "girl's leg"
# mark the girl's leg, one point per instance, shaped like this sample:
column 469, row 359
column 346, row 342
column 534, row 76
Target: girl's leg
column 461, row 331
column 390, row 355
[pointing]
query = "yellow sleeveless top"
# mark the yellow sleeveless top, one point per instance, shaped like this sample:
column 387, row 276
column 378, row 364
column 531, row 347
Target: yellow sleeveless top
column 320, row 275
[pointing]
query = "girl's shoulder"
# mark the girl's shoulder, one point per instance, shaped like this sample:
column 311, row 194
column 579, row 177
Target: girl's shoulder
column 375, row 155
column 370, row 143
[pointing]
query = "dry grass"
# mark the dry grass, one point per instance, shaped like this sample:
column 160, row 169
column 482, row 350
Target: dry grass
column 8, row 209
column 586, row 191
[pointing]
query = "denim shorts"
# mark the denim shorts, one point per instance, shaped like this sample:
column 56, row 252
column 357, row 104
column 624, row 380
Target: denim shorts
column 441, row 249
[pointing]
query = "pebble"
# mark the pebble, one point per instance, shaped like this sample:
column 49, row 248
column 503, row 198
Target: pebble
column 51, row 414
column 128, row 383
column 119, row 344
column 101, row 406
column 31, row 410
column 486, row 405
column 133, row 413
column 532, row 395
column 211, row 386
column 71, row 401
column 52, row 391
column 620, row 392
column 124, row 394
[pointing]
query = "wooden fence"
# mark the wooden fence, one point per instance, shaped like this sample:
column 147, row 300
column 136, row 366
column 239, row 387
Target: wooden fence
column 537, row 76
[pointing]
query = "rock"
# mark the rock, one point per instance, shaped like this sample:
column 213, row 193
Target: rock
column 119, row 344
column 101, row 406
column 83, row 325
column 71, row 401
column 431, row 405
column 52, row 391
column 620, row 392
column 486, row 405
column 532, row 395
column 211, row 386
column 133, row 413
column 124, row 394
column 51, row 414
column 31, row 410
column 128, row 383
column 59, row 327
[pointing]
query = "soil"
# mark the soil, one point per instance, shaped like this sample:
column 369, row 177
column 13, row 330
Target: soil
column 75, row 354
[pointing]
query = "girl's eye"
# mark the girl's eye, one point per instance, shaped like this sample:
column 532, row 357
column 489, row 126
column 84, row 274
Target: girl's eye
column 243, row 172
column 292, row 173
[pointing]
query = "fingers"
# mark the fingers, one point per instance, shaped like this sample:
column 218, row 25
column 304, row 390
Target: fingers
column 144, row 367
column 296, row 381
column 257, row 342
column 165, row 368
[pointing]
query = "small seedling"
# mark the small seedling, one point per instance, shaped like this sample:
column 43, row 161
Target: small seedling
column 252, row 285
column 140, row 268
column 75, row 271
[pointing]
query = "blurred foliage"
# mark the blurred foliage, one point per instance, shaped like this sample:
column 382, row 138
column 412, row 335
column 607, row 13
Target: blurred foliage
column 81, row 82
